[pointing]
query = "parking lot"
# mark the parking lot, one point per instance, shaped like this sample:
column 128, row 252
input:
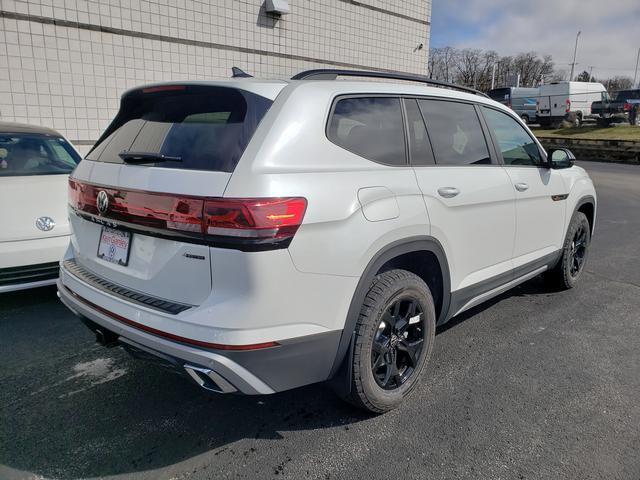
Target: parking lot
column 534, row 384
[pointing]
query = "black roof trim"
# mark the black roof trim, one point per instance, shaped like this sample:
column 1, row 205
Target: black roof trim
column 332, row 74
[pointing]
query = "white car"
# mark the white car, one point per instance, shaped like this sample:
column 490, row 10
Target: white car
column 263, row 235
column 35, row 163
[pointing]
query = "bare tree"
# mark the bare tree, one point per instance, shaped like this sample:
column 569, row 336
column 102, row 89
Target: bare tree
column 474, row 67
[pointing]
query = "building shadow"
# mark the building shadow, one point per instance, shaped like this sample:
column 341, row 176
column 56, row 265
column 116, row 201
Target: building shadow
column 266, row 20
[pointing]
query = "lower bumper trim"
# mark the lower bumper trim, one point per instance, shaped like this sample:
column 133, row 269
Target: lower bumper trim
column 170, row 336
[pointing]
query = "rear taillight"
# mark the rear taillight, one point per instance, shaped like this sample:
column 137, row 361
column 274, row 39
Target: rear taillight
column 243, row 223
column 254, row 218
column 627, row 107
column 568, row 106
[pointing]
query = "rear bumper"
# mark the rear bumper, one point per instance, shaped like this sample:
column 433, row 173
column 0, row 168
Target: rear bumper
column 292, row 363
column 30, row 263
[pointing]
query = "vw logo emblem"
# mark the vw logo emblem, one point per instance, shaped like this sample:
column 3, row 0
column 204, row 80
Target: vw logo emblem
column 102, row 201
column 45, row 224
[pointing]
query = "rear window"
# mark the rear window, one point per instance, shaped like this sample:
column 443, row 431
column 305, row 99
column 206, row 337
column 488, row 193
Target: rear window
column 24, row 154
column 500, row 94
column 629, row 95
column 193, row 127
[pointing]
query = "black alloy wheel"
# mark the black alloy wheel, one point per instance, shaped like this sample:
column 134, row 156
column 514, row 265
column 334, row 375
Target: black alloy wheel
column 578, row 251
column 398, row 342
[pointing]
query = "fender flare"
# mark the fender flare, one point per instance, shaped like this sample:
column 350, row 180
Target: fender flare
column 395, row 249
column 583, row 201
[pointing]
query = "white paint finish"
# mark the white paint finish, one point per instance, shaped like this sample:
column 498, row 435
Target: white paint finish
column 378, row 204
column 156, row 266
column 539, row 219
column 24, row 199
column 553, row 98
column 32, row 252
column 356, row 208
column 476, row 227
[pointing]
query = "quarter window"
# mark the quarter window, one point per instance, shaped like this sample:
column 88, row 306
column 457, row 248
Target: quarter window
column 516, row 145
column 455, row 132
column 371, row 128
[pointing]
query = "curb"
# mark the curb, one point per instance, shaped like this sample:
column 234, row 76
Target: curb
column 618, row 151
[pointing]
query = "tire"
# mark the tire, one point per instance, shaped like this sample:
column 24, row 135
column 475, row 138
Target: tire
column 385, row 333
column 525, row 119
column 567, row 272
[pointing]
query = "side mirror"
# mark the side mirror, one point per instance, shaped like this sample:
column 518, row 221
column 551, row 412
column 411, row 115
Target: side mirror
column 561, row 158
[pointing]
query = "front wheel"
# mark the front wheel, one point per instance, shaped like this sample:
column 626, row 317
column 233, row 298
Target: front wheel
column 394, row 339
column 575, row 251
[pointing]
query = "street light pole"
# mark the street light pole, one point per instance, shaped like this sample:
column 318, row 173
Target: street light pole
column 635, row 77
column 575, row 53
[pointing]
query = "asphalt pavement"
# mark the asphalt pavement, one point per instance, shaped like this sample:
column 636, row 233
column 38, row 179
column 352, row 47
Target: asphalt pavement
column 535, row 384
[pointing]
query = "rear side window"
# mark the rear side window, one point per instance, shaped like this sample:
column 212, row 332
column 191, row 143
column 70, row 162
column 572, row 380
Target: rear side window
column 455, row 132
column 516, row 145
column 194, row 127
column 370, row 127
column 23, row 154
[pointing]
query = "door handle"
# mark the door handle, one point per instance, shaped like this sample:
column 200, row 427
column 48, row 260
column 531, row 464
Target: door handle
column 521, row 187
column 448, row 192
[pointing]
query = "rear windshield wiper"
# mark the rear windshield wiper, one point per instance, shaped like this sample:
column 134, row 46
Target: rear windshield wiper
column 145, row 157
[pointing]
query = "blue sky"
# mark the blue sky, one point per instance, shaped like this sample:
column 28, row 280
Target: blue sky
column 609, row 41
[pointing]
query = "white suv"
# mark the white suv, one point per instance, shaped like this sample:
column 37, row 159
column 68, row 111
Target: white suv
column 263, row 235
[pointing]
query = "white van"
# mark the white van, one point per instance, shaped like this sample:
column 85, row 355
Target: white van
column 569, row 101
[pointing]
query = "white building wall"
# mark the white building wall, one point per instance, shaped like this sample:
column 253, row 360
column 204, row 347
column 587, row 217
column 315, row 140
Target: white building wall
column 64, row 63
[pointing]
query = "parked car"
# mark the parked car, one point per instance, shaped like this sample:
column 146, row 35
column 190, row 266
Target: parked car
column 567, row 101
column 521, row 100
column 264, row 235
column 34, row 166
column 610, row 110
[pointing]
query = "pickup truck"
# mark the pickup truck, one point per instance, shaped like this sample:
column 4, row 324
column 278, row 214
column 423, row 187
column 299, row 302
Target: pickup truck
column 618, row 109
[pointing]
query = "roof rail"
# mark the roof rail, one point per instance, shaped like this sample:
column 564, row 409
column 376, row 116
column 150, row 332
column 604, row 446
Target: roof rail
column 332, row 74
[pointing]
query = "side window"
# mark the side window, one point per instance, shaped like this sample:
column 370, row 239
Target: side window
column 456, row 133
column 420, row 151
column 516, row 145
column 370, row 127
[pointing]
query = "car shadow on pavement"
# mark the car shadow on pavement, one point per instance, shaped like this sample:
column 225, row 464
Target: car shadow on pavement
column 78, row 410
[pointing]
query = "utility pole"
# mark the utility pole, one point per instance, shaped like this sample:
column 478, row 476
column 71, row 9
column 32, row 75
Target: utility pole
column 493, row 77
column 635, row 77
column 575, row 53
column 591, row 73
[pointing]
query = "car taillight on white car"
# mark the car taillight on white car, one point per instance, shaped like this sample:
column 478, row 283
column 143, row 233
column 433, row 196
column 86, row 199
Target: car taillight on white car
column 568, row 106
column 242, row 223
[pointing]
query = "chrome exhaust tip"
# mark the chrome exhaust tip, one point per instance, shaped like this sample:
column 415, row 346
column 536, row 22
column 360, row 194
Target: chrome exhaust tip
column 209, row 380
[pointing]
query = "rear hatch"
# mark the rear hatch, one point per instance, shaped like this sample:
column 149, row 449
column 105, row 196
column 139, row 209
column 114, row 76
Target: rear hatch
column 137, row 200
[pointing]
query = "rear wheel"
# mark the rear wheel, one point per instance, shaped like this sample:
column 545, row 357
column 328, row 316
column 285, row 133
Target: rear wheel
column 575, row 251
column 525, row 119
column 394, row 339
